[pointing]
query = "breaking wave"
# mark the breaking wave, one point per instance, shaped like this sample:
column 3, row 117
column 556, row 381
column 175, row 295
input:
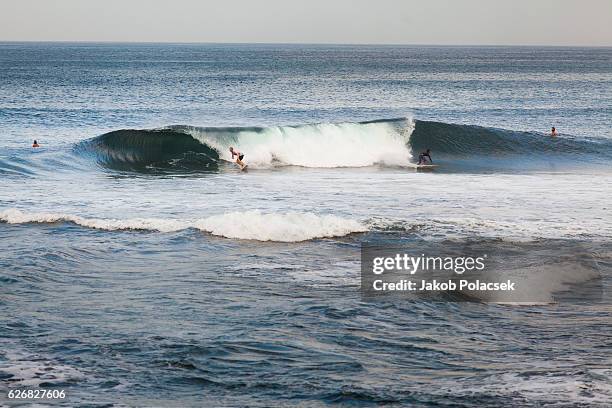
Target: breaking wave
column 546, row 267
column 323, row 145
column 295, row 226
column 387, row 142
column 392, row 142
column 249, row 225
column 317, row 145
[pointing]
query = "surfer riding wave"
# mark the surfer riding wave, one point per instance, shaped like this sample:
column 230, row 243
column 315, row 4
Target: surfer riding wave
column 239, row 155
column 424, row 156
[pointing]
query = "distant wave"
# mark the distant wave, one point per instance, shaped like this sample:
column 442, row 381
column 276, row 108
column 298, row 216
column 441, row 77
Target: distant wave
column 387, row 142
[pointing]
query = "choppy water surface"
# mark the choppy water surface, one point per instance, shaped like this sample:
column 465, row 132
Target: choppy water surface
column 140, row 267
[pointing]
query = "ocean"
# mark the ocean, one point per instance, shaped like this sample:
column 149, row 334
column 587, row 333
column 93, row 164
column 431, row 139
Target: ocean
column 140, row 267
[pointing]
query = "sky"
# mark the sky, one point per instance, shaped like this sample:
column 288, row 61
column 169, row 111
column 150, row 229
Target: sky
column 453, row 22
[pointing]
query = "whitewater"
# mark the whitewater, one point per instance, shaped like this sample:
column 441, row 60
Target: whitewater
column 317, row 145
column 288, row 227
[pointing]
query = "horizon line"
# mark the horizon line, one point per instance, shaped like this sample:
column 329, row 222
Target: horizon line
column 302, row 43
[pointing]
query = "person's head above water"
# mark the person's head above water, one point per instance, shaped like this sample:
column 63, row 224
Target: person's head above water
column 35, row 144
column 553, row 129
column 232, row 149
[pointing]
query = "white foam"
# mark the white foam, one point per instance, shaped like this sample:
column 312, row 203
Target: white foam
column 15, row 216
column 28, row 370
column 287, row 227
column 320, row 145
column 255, row 225
column 518, row 230
column 588, row 388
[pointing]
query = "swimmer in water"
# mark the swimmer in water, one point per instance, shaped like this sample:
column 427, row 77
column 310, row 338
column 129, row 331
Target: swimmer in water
column 35, row 144
column 240, row 156
column 553, row 132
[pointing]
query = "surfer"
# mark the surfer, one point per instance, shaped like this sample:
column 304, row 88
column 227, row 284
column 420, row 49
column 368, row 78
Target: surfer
column 35, row 144
column 553, row 132
column 423, row 155
column 240, row 156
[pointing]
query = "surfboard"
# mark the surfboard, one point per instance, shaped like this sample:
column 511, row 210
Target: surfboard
column 426, row 166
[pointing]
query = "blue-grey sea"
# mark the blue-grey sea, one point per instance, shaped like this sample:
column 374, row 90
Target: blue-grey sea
column 140, row 267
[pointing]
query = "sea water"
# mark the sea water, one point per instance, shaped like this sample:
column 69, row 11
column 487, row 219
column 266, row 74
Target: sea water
column 139, row 266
